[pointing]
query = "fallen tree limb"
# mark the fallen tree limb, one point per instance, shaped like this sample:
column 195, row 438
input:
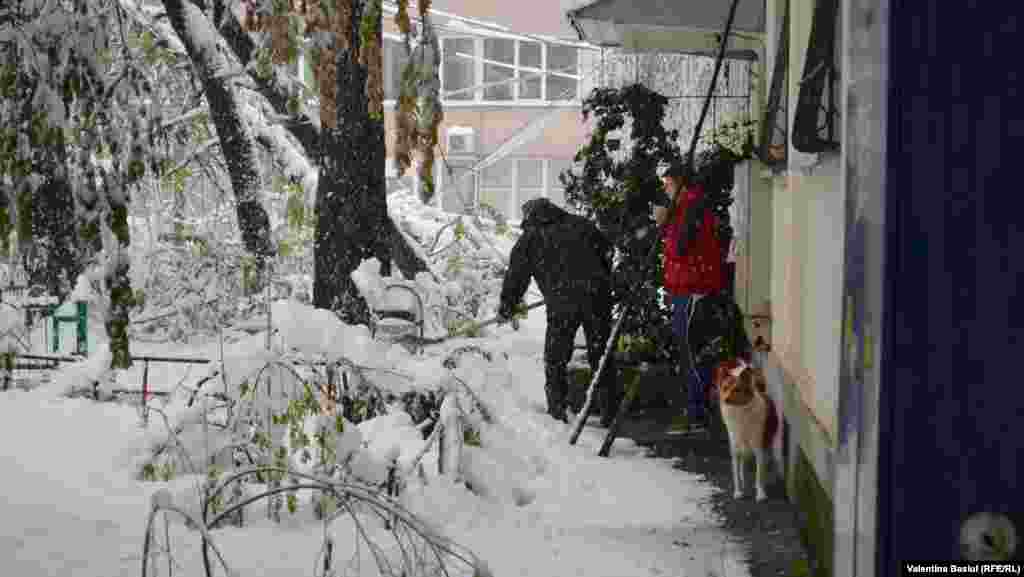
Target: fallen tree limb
column 474, row 327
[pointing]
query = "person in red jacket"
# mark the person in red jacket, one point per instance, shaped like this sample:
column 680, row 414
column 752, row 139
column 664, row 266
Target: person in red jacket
column 694, row 267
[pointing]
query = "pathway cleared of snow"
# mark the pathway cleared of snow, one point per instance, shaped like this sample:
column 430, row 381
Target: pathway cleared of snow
column 70, row 504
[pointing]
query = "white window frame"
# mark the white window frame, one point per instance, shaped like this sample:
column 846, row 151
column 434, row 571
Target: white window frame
column 480, row 61
column 578, row 77
column 478, row 67
column 510, row 198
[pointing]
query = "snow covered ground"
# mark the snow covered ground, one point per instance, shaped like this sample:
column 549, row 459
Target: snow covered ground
column 526, row 502
column 72, row 505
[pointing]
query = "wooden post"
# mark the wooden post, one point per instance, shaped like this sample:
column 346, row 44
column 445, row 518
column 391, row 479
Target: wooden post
column 83, row 333
column 206, row 430
column 56, row 327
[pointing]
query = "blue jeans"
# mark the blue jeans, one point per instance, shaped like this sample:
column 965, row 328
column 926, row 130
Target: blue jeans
column 696, row 380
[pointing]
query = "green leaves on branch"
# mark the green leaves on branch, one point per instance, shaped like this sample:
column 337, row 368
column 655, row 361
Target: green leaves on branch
column 463, row 328
column 471, row 437
column 328, row 8
column 264, row 64
column 418, row 110
column 249, row 272
column 200, row 126
column 368, row 24
column 520, row 311
column 301, row 220
column 454, row 264
column 8, row 81
column 23, row 201
column 6, row 228
column 635, row 344
column 618, row 187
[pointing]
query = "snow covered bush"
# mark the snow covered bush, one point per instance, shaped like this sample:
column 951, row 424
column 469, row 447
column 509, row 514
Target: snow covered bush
column 467, row 257
column 272, row 438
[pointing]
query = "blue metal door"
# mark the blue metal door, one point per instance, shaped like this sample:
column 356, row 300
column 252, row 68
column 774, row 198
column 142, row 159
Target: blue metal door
column 952, row 388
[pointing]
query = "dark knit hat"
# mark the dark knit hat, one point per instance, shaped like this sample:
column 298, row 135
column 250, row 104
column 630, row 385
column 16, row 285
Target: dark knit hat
column 679, row 168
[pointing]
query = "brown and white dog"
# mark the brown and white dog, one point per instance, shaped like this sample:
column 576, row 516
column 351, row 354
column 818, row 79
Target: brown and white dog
column 750, row 418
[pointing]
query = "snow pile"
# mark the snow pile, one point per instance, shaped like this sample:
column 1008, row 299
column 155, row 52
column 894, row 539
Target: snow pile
column 318, row 332
column 388, row 439
column 82, row 376
column 467, row 257
column 12, row 327
column 75, row 501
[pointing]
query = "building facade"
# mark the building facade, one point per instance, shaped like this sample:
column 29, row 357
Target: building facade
column 893, row 264
column 511, row 94
column 790, row 275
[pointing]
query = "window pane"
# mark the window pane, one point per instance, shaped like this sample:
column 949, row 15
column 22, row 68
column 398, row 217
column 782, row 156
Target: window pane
column 529, row 54
column 561, row 88
column 500, row 174
column 494, row 73
column 459, row 71
column 562, row 59
column 556, row 192
column 531, row 173
column 500, row 50
column 529, row 85
column 555, row 168
column 460, row 186
column 495, row 198
column 524, row 195
column 394, row 59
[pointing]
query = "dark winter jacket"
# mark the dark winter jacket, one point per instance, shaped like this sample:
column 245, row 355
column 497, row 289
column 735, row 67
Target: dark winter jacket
column 566, row 254
column 717, row 331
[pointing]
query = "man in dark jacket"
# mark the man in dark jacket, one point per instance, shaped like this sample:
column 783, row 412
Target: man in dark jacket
column 571, row 261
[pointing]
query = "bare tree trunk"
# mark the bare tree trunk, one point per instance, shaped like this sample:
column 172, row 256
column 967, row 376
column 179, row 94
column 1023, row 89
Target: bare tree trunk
column 353, row 217
column 121, row 297
column 48, row 251
column 236, row 141
column 53, row 233
column 275, row 90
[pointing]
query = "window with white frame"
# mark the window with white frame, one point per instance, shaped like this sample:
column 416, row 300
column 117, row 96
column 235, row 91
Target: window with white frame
column 499, row 69
column 531, row 70
column 505, row 70
column 563, row 81
column 508, row 183
column 556, row 191
column 530, row 183
column 459, row 72
column 458, row 189
column 498, row 185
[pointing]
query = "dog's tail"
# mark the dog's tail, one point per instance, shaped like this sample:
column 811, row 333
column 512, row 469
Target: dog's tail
column 772, row 424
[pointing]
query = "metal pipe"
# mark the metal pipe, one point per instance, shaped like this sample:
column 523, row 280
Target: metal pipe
column 194, row 361
column 75, row 359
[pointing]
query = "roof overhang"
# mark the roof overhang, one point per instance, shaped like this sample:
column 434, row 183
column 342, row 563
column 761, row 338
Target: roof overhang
column 685, row 26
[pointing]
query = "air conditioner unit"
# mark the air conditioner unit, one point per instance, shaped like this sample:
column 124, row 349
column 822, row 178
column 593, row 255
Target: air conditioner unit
column 460, row 140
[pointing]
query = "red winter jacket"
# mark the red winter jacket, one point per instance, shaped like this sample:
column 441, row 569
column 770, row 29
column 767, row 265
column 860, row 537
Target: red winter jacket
column 701, row 270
